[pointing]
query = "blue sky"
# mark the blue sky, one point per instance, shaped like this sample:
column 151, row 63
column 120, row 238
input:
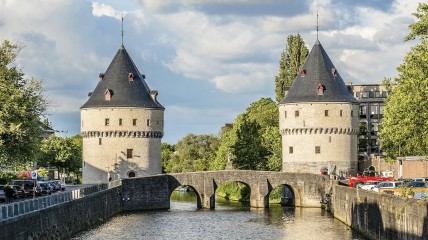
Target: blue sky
column 209, row 59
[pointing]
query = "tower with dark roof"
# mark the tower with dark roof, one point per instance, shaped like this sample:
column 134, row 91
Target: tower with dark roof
column 121, row 125
column 318, row 120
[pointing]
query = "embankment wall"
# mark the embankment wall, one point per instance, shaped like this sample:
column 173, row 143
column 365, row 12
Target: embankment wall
column 381, row 216
column 63, row 220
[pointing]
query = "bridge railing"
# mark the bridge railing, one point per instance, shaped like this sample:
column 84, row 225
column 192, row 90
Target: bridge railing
column 11, row 210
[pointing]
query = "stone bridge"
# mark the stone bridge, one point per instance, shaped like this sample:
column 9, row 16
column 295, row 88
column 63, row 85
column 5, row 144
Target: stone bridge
column 154, row 192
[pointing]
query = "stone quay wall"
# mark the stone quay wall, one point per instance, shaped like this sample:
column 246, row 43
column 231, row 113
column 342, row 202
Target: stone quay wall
column 381, row 216
column 55, row 217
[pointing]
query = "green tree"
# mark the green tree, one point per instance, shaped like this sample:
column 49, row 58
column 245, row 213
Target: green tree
column 21, row 105
column 248, row 149
column 167, row 155
column 404, row 128
column 193, row 153
column 65, row 154
column 290, row 64
column 264, row 112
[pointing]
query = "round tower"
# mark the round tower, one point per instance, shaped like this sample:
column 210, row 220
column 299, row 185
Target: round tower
column 121, row 125
column 319, row 120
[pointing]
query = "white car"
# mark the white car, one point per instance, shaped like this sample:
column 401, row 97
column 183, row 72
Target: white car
column 369, row 185
column 387, row 184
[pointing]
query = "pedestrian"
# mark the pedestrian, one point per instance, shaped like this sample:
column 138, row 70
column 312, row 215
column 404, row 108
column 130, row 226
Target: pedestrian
column 8, row 192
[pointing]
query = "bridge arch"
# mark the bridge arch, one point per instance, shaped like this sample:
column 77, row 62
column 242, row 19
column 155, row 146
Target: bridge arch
column 144, row 193
column 197, row 194
column 296, row 196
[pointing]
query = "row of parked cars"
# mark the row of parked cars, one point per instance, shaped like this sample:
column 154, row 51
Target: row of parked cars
column 376, row 185
column 30, row 188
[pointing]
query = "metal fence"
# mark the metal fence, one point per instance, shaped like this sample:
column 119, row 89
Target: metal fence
column 12, row 210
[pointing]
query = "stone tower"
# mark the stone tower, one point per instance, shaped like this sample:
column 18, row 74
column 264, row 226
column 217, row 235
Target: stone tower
column 121, row 125
column 319, row 120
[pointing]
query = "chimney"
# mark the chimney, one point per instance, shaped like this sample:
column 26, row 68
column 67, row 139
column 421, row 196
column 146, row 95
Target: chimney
column 154, row 94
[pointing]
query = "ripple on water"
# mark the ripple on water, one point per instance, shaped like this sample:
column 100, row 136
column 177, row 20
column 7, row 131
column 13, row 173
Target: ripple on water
column 185, row 221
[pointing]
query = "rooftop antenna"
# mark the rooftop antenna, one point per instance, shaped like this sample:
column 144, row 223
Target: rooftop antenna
column 318, row 27
column 122, row 29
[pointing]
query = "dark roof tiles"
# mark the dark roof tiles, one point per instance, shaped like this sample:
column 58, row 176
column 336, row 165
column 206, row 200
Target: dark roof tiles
column 318, row 69
column 124, row 92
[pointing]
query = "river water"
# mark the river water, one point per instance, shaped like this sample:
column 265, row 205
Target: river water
column 230, row 220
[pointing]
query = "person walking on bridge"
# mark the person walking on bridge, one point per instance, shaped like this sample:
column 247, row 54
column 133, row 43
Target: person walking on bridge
column 8, row 192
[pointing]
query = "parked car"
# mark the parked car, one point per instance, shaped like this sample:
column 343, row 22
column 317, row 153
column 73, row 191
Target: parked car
column 45, row 188
column 419, row 180
column 19, row 192
column 28, row 185
column 387, row 184
column 2, row 195
column 416, row 184
column 55, row 186
column 369, row 185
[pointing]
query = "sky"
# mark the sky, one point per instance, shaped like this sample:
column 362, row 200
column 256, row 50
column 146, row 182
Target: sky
column 208, row 59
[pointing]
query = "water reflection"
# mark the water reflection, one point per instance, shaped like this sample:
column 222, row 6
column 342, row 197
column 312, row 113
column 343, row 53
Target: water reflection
column 229, row 220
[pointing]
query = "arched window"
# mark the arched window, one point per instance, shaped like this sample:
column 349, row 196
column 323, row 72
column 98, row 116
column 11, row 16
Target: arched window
column 131, row 174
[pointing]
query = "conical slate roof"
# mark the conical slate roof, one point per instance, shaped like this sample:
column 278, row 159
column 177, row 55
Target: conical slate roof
column 318, row 71
column 123, row 91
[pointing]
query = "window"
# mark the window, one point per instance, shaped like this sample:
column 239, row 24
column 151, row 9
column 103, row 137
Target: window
column 364, row 94
column 317, row 149
column 129, row 153
column 363, row 110
column 377, row 94
column 385, row 94
column 134, row 122
column 120, row 121
column 329, row 139
column 371, row 94
column 326, row 113
column 131, row 174
column 148, row 122
column 296, row 113
column 285, row 114
column 107, row 121
column 341, row 113
column 290, row 150
column 357, row 94
column 100, row 141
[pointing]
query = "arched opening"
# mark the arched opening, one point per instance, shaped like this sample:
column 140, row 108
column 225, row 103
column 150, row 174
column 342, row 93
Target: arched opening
column 184, row 197
column 131, row 174
column 282, row 195
column 231, row 193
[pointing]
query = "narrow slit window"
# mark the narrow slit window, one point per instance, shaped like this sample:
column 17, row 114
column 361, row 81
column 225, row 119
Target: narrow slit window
column 100, row 141
column 296, row 113
column 107, row 121
column 120, row 121
column 134, row 122
column 341, row 113
column 317, row 149
column 129, row 153
column 290, row 150
column 326, row 113
column 285, row 114
column 148, row 122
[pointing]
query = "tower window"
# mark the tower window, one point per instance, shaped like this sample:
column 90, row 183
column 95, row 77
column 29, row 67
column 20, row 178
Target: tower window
column 120, row 121
column 134, row 122
column 290, row 150
column 329, row 139
column 100, row 141
column 303, row 73
column 108, row 94
column 107, row 121
column 352, row 113
column 341, row 113
column 317, row 149
column 321, row 89
column 326, row 113
column 285, row 114
column 129, row 153
column 148, row 122
column 131, row 76
column 296, row 113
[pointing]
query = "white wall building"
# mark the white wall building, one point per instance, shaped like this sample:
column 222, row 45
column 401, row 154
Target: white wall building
column 319, row 120
column 121, row 125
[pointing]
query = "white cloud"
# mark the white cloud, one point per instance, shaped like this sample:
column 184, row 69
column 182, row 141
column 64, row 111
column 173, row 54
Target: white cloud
column 100, row 9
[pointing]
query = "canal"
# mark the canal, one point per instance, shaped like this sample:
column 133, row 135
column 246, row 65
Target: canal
column 230, row 220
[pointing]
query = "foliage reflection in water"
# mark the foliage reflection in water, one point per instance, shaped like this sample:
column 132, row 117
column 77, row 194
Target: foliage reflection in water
column 230, row 220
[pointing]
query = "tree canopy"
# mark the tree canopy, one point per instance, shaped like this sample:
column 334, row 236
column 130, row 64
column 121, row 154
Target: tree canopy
column 404, row 128
column 290, row 64
column 21, row 106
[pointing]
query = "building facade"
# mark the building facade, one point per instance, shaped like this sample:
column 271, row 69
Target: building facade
column 319, row 120
column 371, row 98
column 121, row 125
